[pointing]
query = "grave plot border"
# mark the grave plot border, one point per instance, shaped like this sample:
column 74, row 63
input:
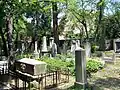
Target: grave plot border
column 45, row 81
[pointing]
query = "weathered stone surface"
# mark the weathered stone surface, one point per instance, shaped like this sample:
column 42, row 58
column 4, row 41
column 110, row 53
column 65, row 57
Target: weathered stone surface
column 31, row 66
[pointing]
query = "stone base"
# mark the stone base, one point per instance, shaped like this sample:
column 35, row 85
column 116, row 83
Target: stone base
column 36, row 55
column 81, row 86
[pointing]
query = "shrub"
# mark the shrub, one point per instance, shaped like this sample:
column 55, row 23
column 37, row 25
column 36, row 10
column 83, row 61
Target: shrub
column 60, row 63
column 28, row 55
column 94, row 48
column 56, row 63
column 93, row 65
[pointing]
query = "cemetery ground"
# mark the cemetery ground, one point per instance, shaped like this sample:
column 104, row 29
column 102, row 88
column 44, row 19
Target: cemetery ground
column 107, row 78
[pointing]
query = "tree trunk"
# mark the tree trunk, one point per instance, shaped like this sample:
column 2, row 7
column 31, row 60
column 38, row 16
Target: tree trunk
column 16, row 41
column 85, row 26
column 101, row 11
column 55, row 25
column 9, row 28
column 9, row 35
column 4, row 42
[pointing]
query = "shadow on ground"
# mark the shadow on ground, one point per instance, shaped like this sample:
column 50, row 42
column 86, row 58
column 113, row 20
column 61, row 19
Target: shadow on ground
column 109, row 82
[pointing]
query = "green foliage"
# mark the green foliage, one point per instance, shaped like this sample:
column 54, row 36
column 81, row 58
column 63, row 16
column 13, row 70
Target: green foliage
column 56, row 64
column 93, row 65
column 28, row 55
column 94, row 48
column 110, row 25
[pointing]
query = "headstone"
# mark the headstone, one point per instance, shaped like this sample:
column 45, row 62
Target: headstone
column 36, row 54
column 107, row 44
column 23, row 47
column 51, row 41
column 73, row 47
column 44, row 45
column 116, row 45
column 35, row 46
column 88, row 49
column 80, row 69
column 64, row 48
column 54, row 50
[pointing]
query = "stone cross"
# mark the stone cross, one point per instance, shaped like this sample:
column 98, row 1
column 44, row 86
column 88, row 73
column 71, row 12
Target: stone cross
column 80, row 69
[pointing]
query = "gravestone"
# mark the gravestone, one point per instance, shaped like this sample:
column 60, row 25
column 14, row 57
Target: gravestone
column 80, row 69
column 51, row 41
column 44, row 46
column 23, row 47
column 54, row 50
column 36, row 54
column 88, row 49
column 73, row 47
column 64, row 48
column 107, row 44
column 116, row 45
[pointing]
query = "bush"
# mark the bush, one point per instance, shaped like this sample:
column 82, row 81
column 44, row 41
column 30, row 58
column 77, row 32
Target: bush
column 93, row 65
column 60, row 63
column 94, row 48
column 56, row 63
column 28, row 55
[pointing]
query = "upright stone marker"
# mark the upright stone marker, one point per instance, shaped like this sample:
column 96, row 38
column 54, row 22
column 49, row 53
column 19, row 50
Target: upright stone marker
column 73, row 47
column 54, row 50
column 80, row 69
column 44, row 46
column 51, row 41
column 88, row 49
column 64, row 48
column 36, row 54
column 23, row 47
column 114, row 45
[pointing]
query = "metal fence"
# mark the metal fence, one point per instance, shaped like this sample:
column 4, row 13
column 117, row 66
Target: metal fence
column 45, row 81
column 54, row 78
